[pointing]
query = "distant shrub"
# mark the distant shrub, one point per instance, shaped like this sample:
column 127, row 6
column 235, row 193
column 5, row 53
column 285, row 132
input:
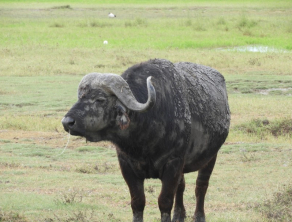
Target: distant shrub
column 12, row 216
column 57, row 25
column 3, row 92
column 104, row 167
column 221, row 21
column 261, row 127
column 247, row 32
column 94, row 24
column 279, row 208
column 87, row 169
column 281, row 127
column 70, row 196
column 150, row 189
column 62, row 7
column 84, row 149
column 79, row 216
column 99, row 66
column 100, row 24
column 289, row 28
column 141, row 22
column 71, row 62
column 5, row 141
column 188, row 22
column 244, row 22
column 128, row 24
column 199, row 26
column 254, row 61
column 138, row 22
column 111, row 217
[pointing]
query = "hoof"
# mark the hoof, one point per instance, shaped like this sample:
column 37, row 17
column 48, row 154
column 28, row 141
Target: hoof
column 199, row 218
column 179, row 214
column 138, row 217
column 165, row 217
column 178, row 219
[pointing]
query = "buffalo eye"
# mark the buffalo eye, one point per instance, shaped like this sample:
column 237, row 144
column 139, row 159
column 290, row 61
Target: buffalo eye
column 100, row 99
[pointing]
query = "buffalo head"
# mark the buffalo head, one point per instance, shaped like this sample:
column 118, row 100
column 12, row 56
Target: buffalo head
column 104, row 101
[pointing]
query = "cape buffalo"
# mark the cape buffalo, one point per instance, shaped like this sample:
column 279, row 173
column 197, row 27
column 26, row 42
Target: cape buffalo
column 165, row 119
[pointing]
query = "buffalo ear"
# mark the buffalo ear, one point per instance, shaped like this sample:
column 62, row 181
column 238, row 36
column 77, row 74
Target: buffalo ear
column 122, row 119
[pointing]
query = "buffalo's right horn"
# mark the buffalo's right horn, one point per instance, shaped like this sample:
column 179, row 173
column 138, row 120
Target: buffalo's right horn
column 116, row 85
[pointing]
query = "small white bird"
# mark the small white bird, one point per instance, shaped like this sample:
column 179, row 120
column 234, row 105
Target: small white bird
column 111, row 15
column 105, row 42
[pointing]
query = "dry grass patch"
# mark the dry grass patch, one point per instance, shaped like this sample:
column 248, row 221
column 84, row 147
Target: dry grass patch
column 279, row 207
column 264, row 127
column 12, row 216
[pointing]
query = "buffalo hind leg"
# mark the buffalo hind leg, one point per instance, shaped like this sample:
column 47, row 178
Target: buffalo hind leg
column 170, row 178
column 136, row 187
column 201, row 189
column 179, row 213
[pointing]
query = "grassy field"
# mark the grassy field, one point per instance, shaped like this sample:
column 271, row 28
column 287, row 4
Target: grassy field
column 46, row 47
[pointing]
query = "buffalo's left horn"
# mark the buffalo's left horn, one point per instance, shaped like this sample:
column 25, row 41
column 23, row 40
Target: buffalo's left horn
column 118, row 86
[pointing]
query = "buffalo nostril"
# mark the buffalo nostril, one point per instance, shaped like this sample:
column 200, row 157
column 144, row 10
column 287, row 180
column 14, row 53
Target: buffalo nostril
column 68, row 122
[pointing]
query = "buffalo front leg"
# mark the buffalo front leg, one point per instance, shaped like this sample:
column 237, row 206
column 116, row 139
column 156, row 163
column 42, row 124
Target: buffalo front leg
column 201, row 189
column 170, row 178
column 179, row 213
column 136, row 187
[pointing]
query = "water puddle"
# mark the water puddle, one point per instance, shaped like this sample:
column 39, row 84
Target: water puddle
column 253, row 48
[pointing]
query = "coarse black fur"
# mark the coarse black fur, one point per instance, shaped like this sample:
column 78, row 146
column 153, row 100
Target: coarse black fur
column 183, row 93
column 182, row 133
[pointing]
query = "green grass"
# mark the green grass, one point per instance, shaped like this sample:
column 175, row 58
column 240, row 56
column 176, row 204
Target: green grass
column 139, row 1
column 46, row 47
column 34, row 103
column 52, row 188
column 174, row 27
column 198, row 31
column 259, row 84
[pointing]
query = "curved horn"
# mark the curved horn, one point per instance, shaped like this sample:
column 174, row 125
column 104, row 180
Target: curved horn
column 117, row 85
